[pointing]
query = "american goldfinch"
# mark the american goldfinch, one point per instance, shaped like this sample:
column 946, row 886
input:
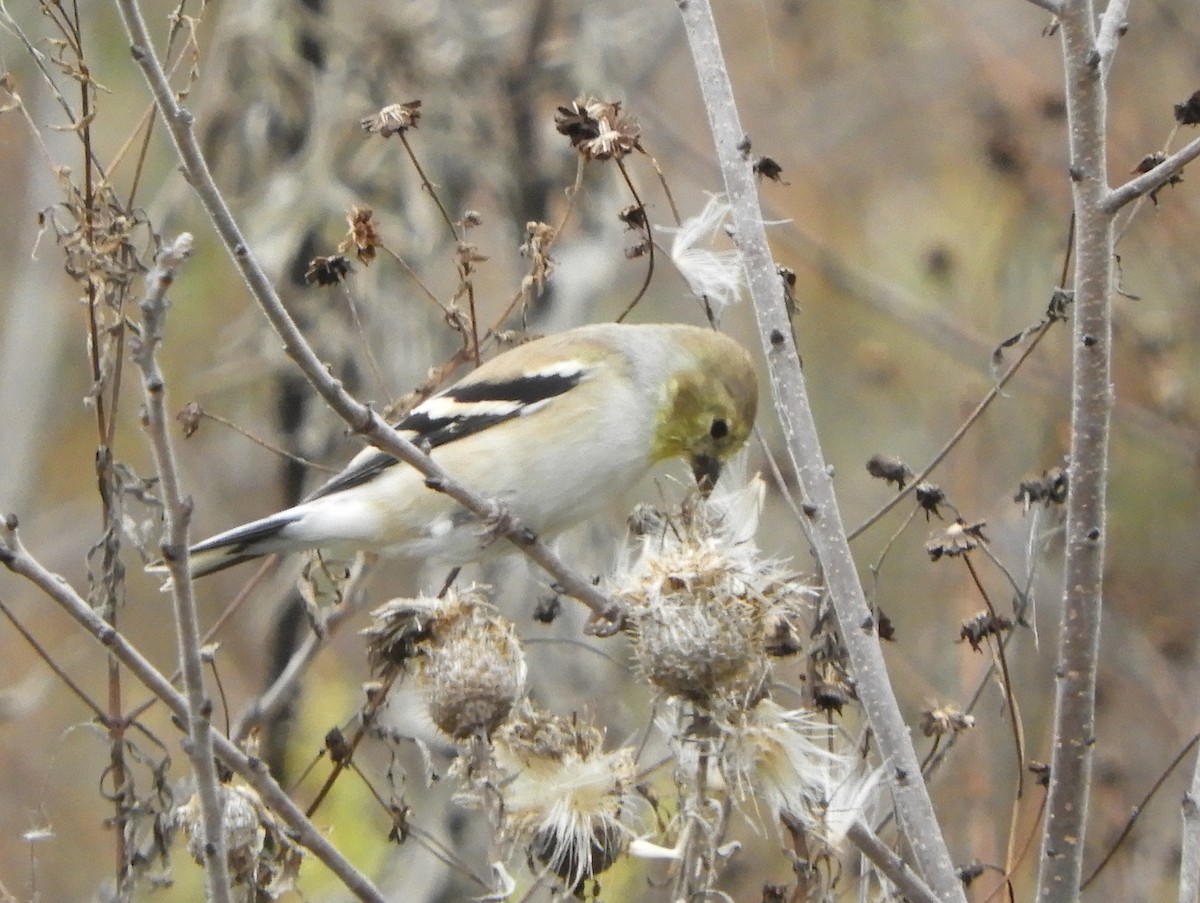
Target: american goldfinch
column 551, row 429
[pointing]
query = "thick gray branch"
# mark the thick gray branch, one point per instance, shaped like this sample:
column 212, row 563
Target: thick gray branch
column 1091, row 407
column 913, row 805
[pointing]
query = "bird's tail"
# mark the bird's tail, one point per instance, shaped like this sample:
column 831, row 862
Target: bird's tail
column 244, row 543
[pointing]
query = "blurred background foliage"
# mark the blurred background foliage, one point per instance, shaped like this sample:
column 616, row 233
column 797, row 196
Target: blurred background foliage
column 924, row 209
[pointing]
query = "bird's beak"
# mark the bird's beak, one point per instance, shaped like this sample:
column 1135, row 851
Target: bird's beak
column 706, row 470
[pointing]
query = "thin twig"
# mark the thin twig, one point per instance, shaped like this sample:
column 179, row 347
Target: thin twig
column 1117, row 198
column 263, row 443
column 176, row 515
column 649, row 234
column 1137, row 811
column 42, row 653
column 1013, row 712
column 917, row 817
column 993, row 393
column 895, row 868
column 267, row 705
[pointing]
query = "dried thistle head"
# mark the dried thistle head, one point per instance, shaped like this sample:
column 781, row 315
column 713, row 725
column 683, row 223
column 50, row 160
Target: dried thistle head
column 261, row 854
column 474, row 677
column 467, row 658
column 564, row 798
column 705, row 610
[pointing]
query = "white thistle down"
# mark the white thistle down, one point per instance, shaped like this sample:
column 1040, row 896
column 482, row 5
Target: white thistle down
column 716, row 277
column 567, row 800
column 791, row 763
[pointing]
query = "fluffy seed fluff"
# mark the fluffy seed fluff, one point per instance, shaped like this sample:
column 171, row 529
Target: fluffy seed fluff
column 714, row 276
column 566, row 800
column 705, row 610
column 793, row 765
column 467, row 658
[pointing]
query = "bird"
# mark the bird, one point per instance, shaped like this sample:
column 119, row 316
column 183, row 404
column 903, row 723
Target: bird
column 552, row 430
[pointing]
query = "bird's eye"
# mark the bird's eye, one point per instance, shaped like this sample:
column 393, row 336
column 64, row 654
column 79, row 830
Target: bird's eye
column 719, row 429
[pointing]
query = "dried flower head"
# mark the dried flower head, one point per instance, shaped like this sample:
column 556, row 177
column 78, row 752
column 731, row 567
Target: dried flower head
column 539, row 237
column 981, row 625
column 769, row 168
column 829, row 683
column 957, row 539
column 260, row 853
column 704, row 608
column 327, row 270
column 467, row 657
column 1051, row 489
column 363, row 238
column 189, row 417
column 940, row 720
column 565, row 799
column 930, row 498
column 1188, row 112
column 598, row 129
column 393, row 119
column 890, row 469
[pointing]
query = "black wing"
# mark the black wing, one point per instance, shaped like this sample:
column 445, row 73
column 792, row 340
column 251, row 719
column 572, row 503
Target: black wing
column 484, row 404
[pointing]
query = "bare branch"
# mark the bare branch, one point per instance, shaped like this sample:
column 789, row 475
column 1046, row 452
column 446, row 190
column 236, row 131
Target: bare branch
column 17, row 559
column 914, row 807
column 1155, row 178
column 177, row 514
column 895, row 868
column 1113, row 25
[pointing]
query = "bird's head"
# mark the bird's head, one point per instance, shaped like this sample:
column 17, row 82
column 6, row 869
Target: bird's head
column 710, row 410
